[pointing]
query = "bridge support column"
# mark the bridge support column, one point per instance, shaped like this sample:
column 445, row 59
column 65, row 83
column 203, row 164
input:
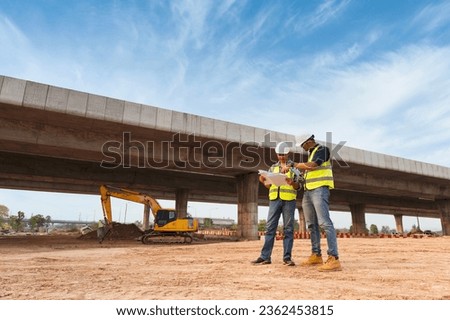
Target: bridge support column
column 398, row 222
column 247, row 194
column 358, row 217
column 444, row 209
column 181, row 202
column 146, row 218
column 301, row 220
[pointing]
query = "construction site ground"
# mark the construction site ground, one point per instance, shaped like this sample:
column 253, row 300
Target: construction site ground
column 74, row 267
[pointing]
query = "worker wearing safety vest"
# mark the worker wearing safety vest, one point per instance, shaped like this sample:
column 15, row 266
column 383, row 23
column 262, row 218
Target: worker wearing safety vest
column 282, row 202
column 315, row 204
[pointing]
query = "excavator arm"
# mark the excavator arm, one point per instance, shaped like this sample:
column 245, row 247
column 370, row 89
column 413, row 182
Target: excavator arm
column 106, row 192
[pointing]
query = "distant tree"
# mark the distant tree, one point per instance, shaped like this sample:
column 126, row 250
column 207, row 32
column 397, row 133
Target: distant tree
column 373, row 229
column 16, row 222
column 37, row 221
column 262, row 225
column 385, row 230
column 415, row 229
column 207, row 222
column 351, row 229
column 48, row 222
column 296, row 226
column 4, row 211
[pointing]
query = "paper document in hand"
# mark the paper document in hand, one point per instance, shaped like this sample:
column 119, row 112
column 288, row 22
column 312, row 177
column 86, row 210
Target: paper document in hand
column 278, row 179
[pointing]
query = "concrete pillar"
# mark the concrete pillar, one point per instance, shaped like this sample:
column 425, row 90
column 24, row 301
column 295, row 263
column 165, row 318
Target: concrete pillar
column 399, row 223
column 247, row 194
column 301, row 220
column 444, row 209
column 181, row 202
column 358, row 217
column 146, row 218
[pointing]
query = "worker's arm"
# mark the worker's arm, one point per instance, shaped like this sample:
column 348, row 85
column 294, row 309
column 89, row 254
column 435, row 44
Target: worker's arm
column 299, row 165
column 322, row 154
column 292, row 183
column 305, row 165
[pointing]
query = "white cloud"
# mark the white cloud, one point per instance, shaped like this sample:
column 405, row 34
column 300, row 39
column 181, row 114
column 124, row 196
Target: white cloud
column 433, row 17
column 323, row 14
column 191, row 19
column 10, row 35
column 14, row 54
column 387, row 105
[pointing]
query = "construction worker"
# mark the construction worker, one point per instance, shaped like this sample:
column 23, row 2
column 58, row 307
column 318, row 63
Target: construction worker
column 282, row 202
column 318, row 176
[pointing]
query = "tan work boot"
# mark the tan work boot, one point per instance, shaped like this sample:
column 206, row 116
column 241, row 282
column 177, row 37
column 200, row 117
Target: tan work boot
column 332, row 264
column 312, row 260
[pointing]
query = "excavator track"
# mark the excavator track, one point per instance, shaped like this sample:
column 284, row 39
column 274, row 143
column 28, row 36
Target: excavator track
column 166, row 237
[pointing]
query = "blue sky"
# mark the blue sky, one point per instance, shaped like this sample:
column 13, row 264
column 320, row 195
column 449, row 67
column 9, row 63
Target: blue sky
column 374, row 73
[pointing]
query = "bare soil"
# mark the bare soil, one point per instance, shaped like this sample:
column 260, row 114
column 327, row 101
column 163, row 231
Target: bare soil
column 48, row 267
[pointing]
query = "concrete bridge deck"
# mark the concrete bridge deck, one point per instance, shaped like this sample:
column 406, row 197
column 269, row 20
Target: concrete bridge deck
column 57, row 139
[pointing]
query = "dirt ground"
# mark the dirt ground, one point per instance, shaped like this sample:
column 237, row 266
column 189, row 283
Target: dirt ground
column 48, row 267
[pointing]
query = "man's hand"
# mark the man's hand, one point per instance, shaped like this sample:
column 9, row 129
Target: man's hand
column 292, row 183
column 264, row 182
column 284, row 168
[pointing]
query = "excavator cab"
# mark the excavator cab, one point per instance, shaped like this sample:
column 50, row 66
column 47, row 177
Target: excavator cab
column 164, row 216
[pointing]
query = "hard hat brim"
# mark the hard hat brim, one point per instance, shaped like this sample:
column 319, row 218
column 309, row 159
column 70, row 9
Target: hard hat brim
column 300, row 144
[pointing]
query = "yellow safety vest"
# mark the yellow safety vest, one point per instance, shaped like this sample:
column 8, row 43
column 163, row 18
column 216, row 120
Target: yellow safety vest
column 285, row 192
column 320, row 177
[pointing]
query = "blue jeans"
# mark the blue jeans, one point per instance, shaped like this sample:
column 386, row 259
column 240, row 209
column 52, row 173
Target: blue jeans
column 276, row 209
column 315, row 206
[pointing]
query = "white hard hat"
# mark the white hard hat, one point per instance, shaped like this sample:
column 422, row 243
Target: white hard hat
column 300, row 140
column 283, row 147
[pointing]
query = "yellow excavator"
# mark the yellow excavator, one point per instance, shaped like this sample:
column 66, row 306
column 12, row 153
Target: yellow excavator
column 168, row 227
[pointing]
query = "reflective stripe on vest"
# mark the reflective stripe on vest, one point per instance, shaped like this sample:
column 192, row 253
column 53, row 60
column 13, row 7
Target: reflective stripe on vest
column 320, row 177
column 285, row 192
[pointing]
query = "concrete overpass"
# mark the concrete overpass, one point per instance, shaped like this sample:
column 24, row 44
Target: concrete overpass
column 62, row 140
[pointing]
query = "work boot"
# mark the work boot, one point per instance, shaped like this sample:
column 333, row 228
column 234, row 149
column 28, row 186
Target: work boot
column 261, row 261
column 312, row 260
column 288, row 262
column 332, row 264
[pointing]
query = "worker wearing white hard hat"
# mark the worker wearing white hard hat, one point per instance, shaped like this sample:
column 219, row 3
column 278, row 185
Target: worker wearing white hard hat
column 302, row 139
column 282, row 203
column 283, row 148
column 315, row 203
